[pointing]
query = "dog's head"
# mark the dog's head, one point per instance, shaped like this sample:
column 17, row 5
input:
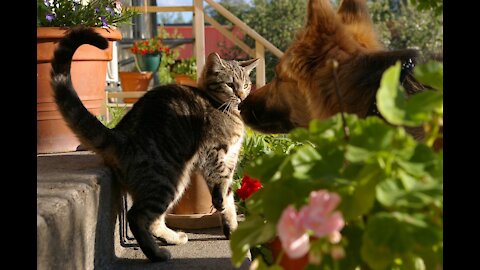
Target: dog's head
column 303, row 87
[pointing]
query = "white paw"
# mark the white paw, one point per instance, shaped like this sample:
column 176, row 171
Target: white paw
column 182, row 238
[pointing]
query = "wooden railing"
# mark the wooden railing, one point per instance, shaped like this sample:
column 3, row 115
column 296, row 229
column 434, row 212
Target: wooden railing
column 199, row 19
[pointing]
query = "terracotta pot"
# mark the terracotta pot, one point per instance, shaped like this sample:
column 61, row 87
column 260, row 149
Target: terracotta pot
column 89, row 69
column 134, row 81
column 195, row 209
column 185, row 80
column 286, row 262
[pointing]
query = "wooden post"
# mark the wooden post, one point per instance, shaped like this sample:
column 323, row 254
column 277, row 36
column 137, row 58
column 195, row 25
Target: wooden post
column 199, row 35
column 260, row 69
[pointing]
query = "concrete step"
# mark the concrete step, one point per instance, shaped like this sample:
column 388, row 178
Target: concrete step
column 78, row 225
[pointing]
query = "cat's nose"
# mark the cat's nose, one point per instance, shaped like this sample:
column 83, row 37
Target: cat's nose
column 242, row 95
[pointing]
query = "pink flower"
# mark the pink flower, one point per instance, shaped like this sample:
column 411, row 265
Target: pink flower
column 318, row 215
column 293, row 236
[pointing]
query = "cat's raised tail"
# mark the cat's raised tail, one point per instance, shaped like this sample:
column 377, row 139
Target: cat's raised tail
column 90, row 131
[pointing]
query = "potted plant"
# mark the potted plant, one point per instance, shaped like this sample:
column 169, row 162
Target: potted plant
column 89, row 64
column 148, row 55
column 185, row 71
column 350, row 193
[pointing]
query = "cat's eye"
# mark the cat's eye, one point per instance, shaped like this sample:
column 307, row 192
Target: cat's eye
column 245, row 86
column 231, row 85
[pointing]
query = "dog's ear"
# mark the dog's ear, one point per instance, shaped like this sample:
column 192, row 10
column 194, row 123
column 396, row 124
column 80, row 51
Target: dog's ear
column 354, row 11
column 321, row 16
column 384, row 59
column 365, row 72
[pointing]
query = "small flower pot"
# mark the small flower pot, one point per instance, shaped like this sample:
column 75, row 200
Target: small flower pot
column 185, row 80
column 148, row 62
column 134, row 81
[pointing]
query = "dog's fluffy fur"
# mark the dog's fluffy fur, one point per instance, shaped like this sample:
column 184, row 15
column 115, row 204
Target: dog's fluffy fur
column 303, row 88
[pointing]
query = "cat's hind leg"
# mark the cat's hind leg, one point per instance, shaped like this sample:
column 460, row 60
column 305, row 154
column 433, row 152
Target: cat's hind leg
column 140, row 220
column 167, row 235
column 146, row 221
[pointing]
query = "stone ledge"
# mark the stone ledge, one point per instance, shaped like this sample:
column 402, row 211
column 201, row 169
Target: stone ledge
column 77, row 224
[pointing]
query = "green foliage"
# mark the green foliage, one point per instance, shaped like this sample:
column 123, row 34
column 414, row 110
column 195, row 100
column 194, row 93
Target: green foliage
column 402, row 24
column 263, row 17
column 391, row 185
column 116, row 113
column 425, row 107
column 168, row 58
column 186, row 67
column 93, row 13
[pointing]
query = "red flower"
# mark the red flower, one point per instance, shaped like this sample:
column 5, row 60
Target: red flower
column 249, row 186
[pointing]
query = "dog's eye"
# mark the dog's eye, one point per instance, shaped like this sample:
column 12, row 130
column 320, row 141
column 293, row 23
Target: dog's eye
column 231, row 85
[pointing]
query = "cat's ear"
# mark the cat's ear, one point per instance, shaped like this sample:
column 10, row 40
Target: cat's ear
column 213, row 61
column 248, row 65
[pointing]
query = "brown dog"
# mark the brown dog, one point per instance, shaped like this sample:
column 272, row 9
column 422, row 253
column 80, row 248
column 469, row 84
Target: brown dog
column 304, row 88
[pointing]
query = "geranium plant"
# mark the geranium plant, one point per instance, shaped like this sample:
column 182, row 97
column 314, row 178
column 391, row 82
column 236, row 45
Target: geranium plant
column 372, row 200
column 91, row 13
column 149, row 46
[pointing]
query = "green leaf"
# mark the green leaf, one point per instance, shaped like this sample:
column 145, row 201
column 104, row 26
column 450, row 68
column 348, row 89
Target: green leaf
column 368, row 137
column 254, row 230
column 314, row 164
column 265, row 168
column 353, row 238
column 359, row 198
column 391, row 99
column 394, row 106
column 420, row 106
column 395, row 235
column 430, row 74
column 278, row 195
column 417, row 195
column 304, row 160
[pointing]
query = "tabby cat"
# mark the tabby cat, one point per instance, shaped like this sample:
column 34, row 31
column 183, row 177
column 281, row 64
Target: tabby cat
column 170, row 132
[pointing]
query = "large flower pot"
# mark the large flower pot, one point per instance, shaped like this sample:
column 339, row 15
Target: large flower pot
column 89, row 69
column 134, row 81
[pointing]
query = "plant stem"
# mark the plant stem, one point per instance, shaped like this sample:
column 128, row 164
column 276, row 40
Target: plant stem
column 340, row 101
column 280, row 256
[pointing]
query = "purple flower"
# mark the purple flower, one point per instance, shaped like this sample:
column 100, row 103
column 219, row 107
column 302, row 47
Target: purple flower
column 109, row 9
column 97, row 10
column 46, row 2
column 50, row 17
column 104, row 21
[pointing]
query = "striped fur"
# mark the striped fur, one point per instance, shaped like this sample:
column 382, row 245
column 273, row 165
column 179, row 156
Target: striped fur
column 170, row 132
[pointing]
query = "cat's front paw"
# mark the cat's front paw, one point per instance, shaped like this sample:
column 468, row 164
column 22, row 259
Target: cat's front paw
column 229, row 226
